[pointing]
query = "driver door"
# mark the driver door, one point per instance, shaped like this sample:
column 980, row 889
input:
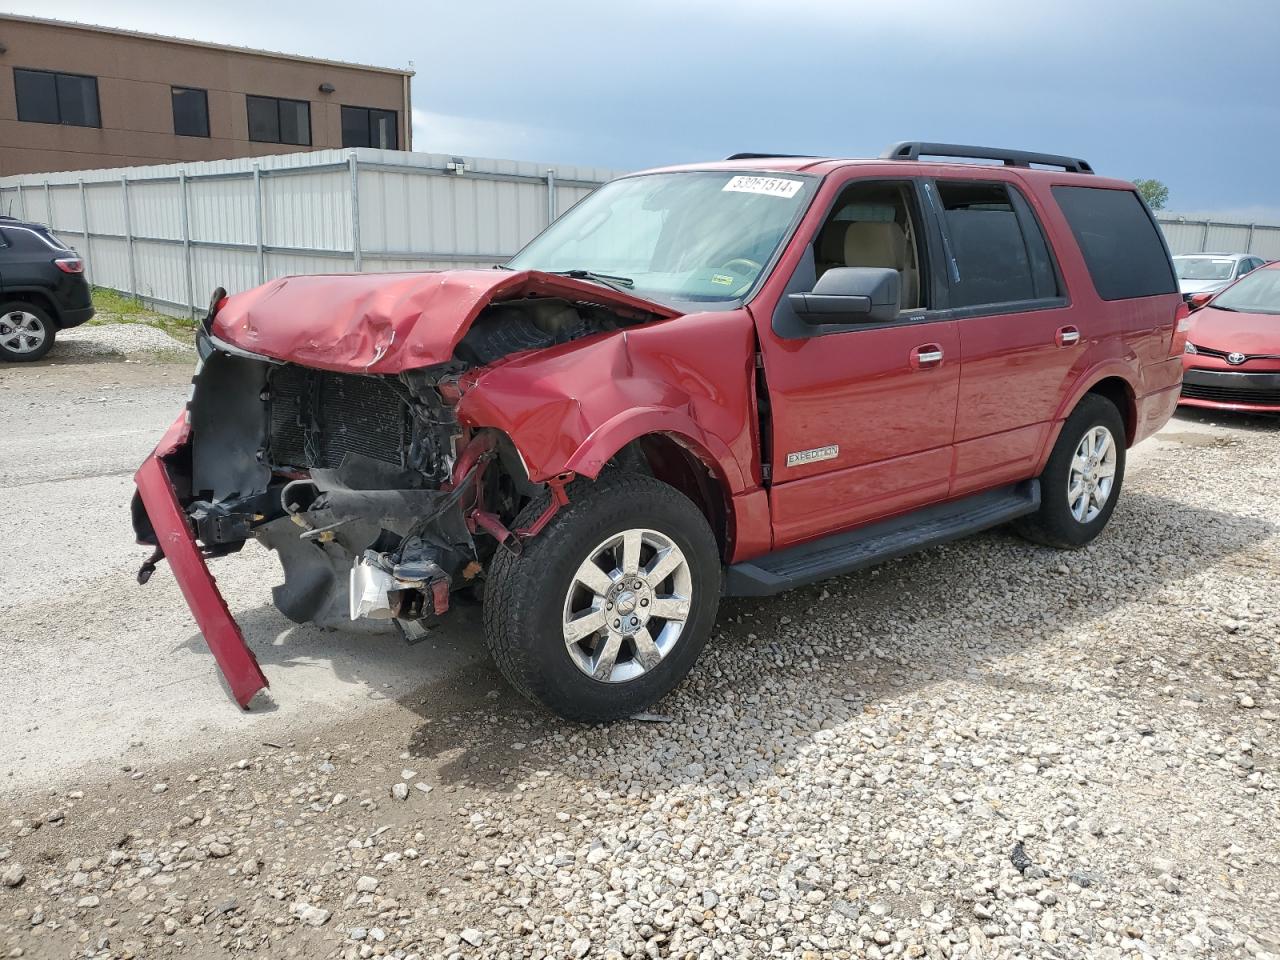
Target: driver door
column 861, row 415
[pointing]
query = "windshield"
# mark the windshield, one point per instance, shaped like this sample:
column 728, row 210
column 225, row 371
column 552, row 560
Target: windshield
column 1203, row 268
column 678, row 238
column 1259, row 292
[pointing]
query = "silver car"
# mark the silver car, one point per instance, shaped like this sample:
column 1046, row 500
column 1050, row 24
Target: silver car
column 1210, row 272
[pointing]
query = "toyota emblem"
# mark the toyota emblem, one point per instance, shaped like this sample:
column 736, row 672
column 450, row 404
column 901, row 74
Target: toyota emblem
column 1236, row 358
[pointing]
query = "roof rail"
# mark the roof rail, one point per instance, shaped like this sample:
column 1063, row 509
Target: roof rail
column 915, row 149
column 771, row 156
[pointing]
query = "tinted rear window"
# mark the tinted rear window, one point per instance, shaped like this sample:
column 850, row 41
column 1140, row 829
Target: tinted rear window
column 1120, row 242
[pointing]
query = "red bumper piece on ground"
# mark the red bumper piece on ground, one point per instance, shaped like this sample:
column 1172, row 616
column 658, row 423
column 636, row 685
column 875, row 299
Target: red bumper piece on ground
column 226, row 642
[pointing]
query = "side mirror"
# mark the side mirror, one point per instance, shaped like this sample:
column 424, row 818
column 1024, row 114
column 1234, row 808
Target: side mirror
column 1198, row 300
column 851, row 295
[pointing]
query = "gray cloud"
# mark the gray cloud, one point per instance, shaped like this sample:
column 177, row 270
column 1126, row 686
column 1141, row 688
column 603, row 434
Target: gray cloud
column 1182, row 91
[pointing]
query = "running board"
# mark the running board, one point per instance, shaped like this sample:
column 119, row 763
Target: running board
column 876, row 542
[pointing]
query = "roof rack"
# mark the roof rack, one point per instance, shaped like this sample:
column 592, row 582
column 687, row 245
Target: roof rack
column 915, row 149
column 771, row 156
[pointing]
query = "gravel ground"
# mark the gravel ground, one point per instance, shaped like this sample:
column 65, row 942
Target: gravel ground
column 115, row 341
column 985, row 750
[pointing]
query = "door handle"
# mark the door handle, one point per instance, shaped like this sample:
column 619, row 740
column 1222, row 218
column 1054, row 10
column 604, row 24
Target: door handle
column 1066, row 336
column 926, row 356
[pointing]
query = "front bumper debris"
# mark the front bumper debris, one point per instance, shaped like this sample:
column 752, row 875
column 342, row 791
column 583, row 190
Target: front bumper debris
column 175, row 539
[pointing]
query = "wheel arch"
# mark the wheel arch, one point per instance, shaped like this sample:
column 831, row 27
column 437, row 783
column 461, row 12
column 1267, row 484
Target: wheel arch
column 678, row 462
column 36, row 298
column 1112, row 381
column 1120, row 392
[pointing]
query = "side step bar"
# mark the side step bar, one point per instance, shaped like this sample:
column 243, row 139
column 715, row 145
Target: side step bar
column 876, row 542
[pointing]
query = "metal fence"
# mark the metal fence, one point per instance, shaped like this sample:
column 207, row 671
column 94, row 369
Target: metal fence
column 170, row 234
column 1197, row 235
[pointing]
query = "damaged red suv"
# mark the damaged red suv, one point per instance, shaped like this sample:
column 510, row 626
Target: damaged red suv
column 721, row 379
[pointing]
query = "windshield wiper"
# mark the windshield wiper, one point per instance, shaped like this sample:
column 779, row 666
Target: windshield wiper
column 608, row 279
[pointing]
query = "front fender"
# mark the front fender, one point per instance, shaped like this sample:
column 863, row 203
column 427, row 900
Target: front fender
column 573, row 407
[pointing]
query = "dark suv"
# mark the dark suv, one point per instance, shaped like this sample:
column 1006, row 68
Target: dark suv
column 42, row 289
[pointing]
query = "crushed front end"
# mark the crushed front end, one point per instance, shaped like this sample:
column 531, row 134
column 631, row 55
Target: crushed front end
column 361, row 483
column 379, row 502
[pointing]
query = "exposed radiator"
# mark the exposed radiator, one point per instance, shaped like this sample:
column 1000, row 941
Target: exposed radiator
column 318, row 417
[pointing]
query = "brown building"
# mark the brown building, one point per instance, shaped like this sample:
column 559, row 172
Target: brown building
column 76, row 97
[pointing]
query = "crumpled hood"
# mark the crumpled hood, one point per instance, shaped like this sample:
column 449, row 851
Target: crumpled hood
column 389, row 322
column 1227, row 330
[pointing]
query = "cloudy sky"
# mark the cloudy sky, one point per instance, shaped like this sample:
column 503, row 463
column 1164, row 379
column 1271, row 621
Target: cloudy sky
column 1186, row 91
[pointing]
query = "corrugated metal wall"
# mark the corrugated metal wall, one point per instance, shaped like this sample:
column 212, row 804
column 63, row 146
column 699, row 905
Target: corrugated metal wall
column 1192, row 235
column 172, row 233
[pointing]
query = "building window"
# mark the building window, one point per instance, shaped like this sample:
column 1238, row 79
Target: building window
column 272, row 120
column 190, row 112
column 67, row 98
column 369, row 127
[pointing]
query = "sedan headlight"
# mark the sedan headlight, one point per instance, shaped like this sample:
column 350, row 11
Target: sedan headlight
column 1190, row 348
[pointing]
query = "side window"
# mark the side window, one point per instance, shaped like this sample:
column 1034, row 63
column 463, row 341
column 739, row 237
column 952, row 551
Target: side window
column 873, row 224
column 996, row 249
column 1120, row 242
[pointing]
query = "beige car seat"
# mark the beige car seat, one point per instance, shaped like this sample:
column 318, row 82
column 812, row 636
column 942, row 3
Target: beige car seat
column 881, row 244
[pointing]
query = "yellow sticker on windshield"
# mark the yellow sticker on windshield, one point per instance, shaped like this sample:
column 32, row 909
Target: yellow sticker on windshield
column 722, row 279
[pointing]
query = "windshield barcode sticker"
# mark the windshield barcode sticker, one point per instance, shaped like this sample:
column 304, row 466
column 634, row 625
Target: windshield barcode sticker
column 771, row 186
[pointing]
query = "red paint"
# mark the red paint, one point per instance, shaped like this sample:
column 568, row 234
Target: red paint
column 387, row 322
column 221, row 633
column 1256, row 335
column 1227, row 331
column 571, row 408
column 559, row 498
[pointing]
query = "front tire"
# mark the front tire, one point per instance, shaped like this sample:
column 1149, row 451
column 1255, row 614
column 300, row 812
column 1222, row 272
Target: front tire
column 606, row 610
column 1081, row 481
column 26, row 332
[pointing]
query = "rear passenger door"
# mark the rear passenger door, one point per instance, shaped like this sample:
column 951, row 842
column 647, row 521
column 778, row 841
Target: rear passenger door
column 1018, row 340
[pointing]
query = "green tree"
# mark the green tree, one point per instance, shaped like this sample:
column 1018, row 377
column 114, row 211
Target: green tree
column 1154, row 192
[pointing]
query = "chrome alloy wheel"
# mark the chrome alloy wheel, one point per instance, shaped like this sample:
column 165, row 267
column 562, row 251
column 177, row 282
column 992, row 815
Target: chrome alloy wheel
column 1093, row 472
column 627, row 605
column 21, row 332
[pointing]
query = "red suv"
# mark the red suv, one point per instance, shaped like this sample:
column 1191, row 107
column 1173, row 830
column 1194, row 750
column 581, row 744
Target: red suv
column 720, row 379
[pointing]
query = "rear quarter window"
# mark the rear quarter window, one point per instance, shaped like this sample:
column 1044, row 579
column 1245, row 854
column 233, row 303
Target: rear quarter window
column 1121, row 244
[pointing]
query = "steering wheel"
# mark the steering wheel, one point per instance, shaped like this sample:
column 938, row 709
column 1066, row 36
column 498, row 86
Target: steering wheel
column 743, row 265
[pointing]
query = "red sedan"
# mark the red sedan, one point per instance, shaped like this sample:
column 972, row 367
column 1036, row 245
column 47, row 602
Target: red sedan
column 1232, row 357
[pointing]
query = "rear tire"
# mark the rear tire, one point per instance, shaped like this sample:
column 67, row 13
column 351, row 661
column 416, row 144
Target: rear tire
column 26, row 331
column 1085, row 467
column 571, row 630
